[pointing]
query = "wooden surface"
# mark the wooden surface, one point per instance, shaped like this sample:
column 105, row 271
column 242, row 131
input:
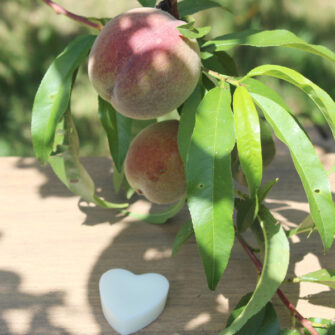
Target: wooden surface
column 54, row 248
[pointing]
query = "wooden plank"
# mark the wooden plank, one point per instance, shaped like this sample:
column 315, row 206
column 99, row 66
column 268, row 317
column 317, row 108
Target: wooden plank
column 54, row 248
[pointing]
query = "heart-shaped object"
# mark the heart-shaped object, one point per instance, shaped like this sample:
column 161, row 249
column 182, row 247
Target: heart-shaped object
column 130, row 302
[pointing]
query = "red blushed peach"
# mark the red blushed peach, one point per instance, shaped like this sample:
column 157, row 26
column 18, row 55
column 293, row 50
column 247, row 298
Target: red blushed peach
column 142, row 65
column 153, row 166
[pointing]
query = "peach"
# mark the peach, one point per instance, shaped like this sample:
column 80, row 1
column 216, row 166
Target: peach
column 153, row 166
column 142, row 65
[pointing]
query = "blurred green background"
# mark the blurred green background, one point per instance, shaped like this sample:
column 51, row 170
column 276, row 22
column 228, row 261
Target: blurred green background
column 32, row 35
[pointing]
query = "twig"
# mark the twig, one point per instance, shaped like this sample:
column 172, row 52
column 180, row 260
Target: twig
column 174, row 8
column 169, row 6
column 259, row 266
column 60, row 10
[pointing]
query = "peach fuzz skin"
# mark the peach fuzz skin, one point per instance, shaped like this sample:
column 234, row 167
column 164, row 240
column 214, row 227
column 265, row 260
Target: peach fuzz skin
column 142, row 65
column 153, row 166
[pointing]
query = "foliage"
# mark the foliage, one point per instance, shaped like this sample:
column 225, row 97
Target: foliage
column 225, row 132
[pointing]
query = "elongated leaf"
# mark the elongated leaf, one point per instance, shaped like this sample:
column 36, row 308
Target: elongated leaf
column 189, row 7
column 268, row 151
column 246, row 210
column 53, row 95
column 265, row 322
column 68, row 168
column 274, row 270
column 192, row 32
column 306, row 226
column 320, row 97
column 323, row 276
column 209, row 182
column 311, row 172
column 187, row 121
column 147, row 3
column 220, row 62
column 267, row 38
column 159, row 217
column 248, row 138
column 118, row 130
column 265, row 189
column 268, row 145
column 185, row 232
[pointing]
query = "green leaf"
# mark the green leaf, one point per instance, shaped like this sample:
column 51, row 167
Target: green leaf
column 248, row 138
column 265, row 189
column 189, row 7
column 312, row 174
column 65, row 163
column 306, row 226
column 220, row 62
column 160, row 217
column 287, row 331
column 147, row 3
column 268, row 152
column 138, row 125
column 118, row 130
column 267, row 38
column 268, row 145
column 257, row 231
column 274, row 270
column 322, row 276
column 322, row 326
column 246, row 212
column 320, row 97
column 209, row 182
column 265, row 322
column 53, row 95
column 185, row 232
column 247, row 208
column 189, row 31
column 187, row 121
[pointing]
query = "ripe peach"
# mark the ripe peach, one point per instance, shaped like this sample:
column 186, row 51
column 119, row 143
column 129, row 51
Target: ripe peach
column 142, row 65
column 153, row 166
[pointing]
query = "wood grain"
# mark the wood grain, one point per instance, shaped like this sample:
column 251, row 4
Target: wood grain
column 54, row 249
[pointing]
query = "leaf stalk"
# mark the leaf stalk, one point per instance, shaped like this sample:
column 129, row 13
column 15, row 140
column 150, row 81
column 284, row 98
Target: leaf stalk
column 223, row 78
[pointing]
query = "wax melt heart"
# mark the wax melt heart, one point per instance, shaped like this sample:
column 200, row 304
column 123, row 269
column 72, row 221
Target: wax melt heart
column 130, row 302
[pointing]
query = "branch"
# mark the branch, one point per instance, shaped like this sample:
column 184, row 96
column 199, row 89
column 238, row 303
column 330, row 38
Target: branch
column 60, row 10
column 174, row 8
column 259, row 266
column 169, row 6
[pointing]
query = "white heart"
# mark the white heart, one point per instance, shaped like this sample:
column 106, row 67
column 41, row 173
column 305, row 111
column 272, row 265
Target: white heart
column 130, row 302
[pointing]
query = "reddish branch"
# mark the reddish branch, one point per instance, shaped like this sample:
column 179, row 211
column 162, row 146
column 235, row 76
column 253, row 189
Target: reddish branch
column 60, row 10
column 259, row 266
column 169, row 6
column 174, row 8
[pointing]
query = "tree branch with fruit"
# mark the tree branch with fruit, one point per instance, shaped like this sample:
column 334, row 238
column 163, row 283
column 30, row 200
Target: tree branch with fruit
column 145, row 65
